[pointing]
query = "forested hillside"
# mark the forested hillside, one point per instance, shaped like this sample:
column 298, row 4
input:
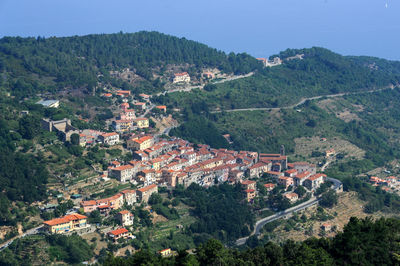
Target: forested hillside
column 320, row 72
column 362, row 242
column 22, row 175
column 31, row 65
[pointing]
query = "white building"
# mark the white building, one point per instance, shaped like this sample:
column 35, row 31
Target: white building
column 181, row 77
column 109, row 138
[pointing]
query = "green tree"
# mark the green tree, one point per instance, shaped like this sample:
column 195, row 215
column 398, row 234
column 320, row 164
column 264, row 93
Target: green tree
column 329, row 199
column 301, row 191
column 75, row 139
column 155, row 198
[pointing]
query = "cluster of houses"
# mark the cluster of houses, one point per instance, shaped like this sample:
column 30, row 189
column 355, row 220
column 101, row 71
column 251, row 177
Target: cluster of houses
column 86, row 137
column 385, row 183
column 77, row 222
column 168, row 163
column 127, row 120
column 117, row 201
column 176, row 161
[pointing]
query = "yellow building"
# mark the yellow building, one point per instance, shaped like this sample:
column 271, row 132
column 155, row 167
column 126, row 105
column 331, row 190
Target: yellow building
column 166, row 252
column 140, row 144
column 142, row 122
column 122, row 125
column 66, row 223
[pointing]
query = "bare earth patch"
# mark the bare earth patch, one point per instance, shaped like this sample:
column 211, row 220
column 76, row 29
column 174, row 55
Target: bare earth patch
column 305, row 146
column 347, row 114
column 349, row 205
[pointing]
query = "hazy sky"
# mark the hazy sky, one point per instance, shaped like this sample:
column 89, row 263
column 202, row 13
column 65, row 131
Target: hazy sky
column 258, row 27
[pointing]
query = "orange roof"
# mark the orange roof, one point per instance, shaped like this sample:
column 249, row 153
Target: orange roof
column 144, row 189
column 107, row 94
column 116, row 196
column 119, row 231
column 139, row 103
column 291, row 195
column 161, row 107
column 181, row 74
column 291, row 171
column 157, row 160
column 143, row 139
column 303, row 175
column 269, row 185
column 258, row 165
column 124, row 212
column 109, row 134
column 123, row 167
column 248, row 182
column 316, row 176
column 65, row 219
column 141, row 119
column 144, row 95
column 148, row 171
column 126, row 191
column 124, row 92
column 88, row 203
column 249, row 190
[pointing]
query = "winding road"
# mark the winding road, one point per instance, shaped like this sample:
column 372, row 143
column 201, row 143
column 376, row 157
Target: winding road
column 302, row 101
column 202, row 86
column 32, row 231
column 337, row 185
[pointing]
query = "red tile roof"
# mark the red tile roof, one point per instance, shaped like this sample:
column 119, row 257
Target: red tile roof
column 316, row 176
column 248, row 182
column 181, row 74
column 65, row 219
column 119, row 231
column 123, row 167
column 303, row 175
column 291, row 171
column 143, row 139
column 269, row 185
column 109, row 134
column 144, row 189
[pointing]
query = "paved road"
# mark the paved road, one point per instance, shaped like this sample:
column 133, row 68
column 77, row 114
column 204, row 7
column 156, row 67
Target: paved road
column 302, row 101
column 32, row 231
column 147, row 110
column 286, row 213
column 201, row 87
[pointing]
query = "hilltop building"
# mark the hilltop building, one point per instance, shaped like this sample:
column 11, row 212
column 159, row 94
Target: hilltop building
column 181, row 77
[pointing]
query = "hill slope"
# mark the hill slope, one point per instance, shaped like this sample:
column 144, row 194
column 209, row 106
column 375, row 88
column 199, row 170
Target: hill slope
column 36, row 64
column 321, row 72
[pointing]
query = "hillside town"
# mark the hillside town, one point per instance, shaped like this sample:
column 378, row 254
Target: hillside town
column 161, row 162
